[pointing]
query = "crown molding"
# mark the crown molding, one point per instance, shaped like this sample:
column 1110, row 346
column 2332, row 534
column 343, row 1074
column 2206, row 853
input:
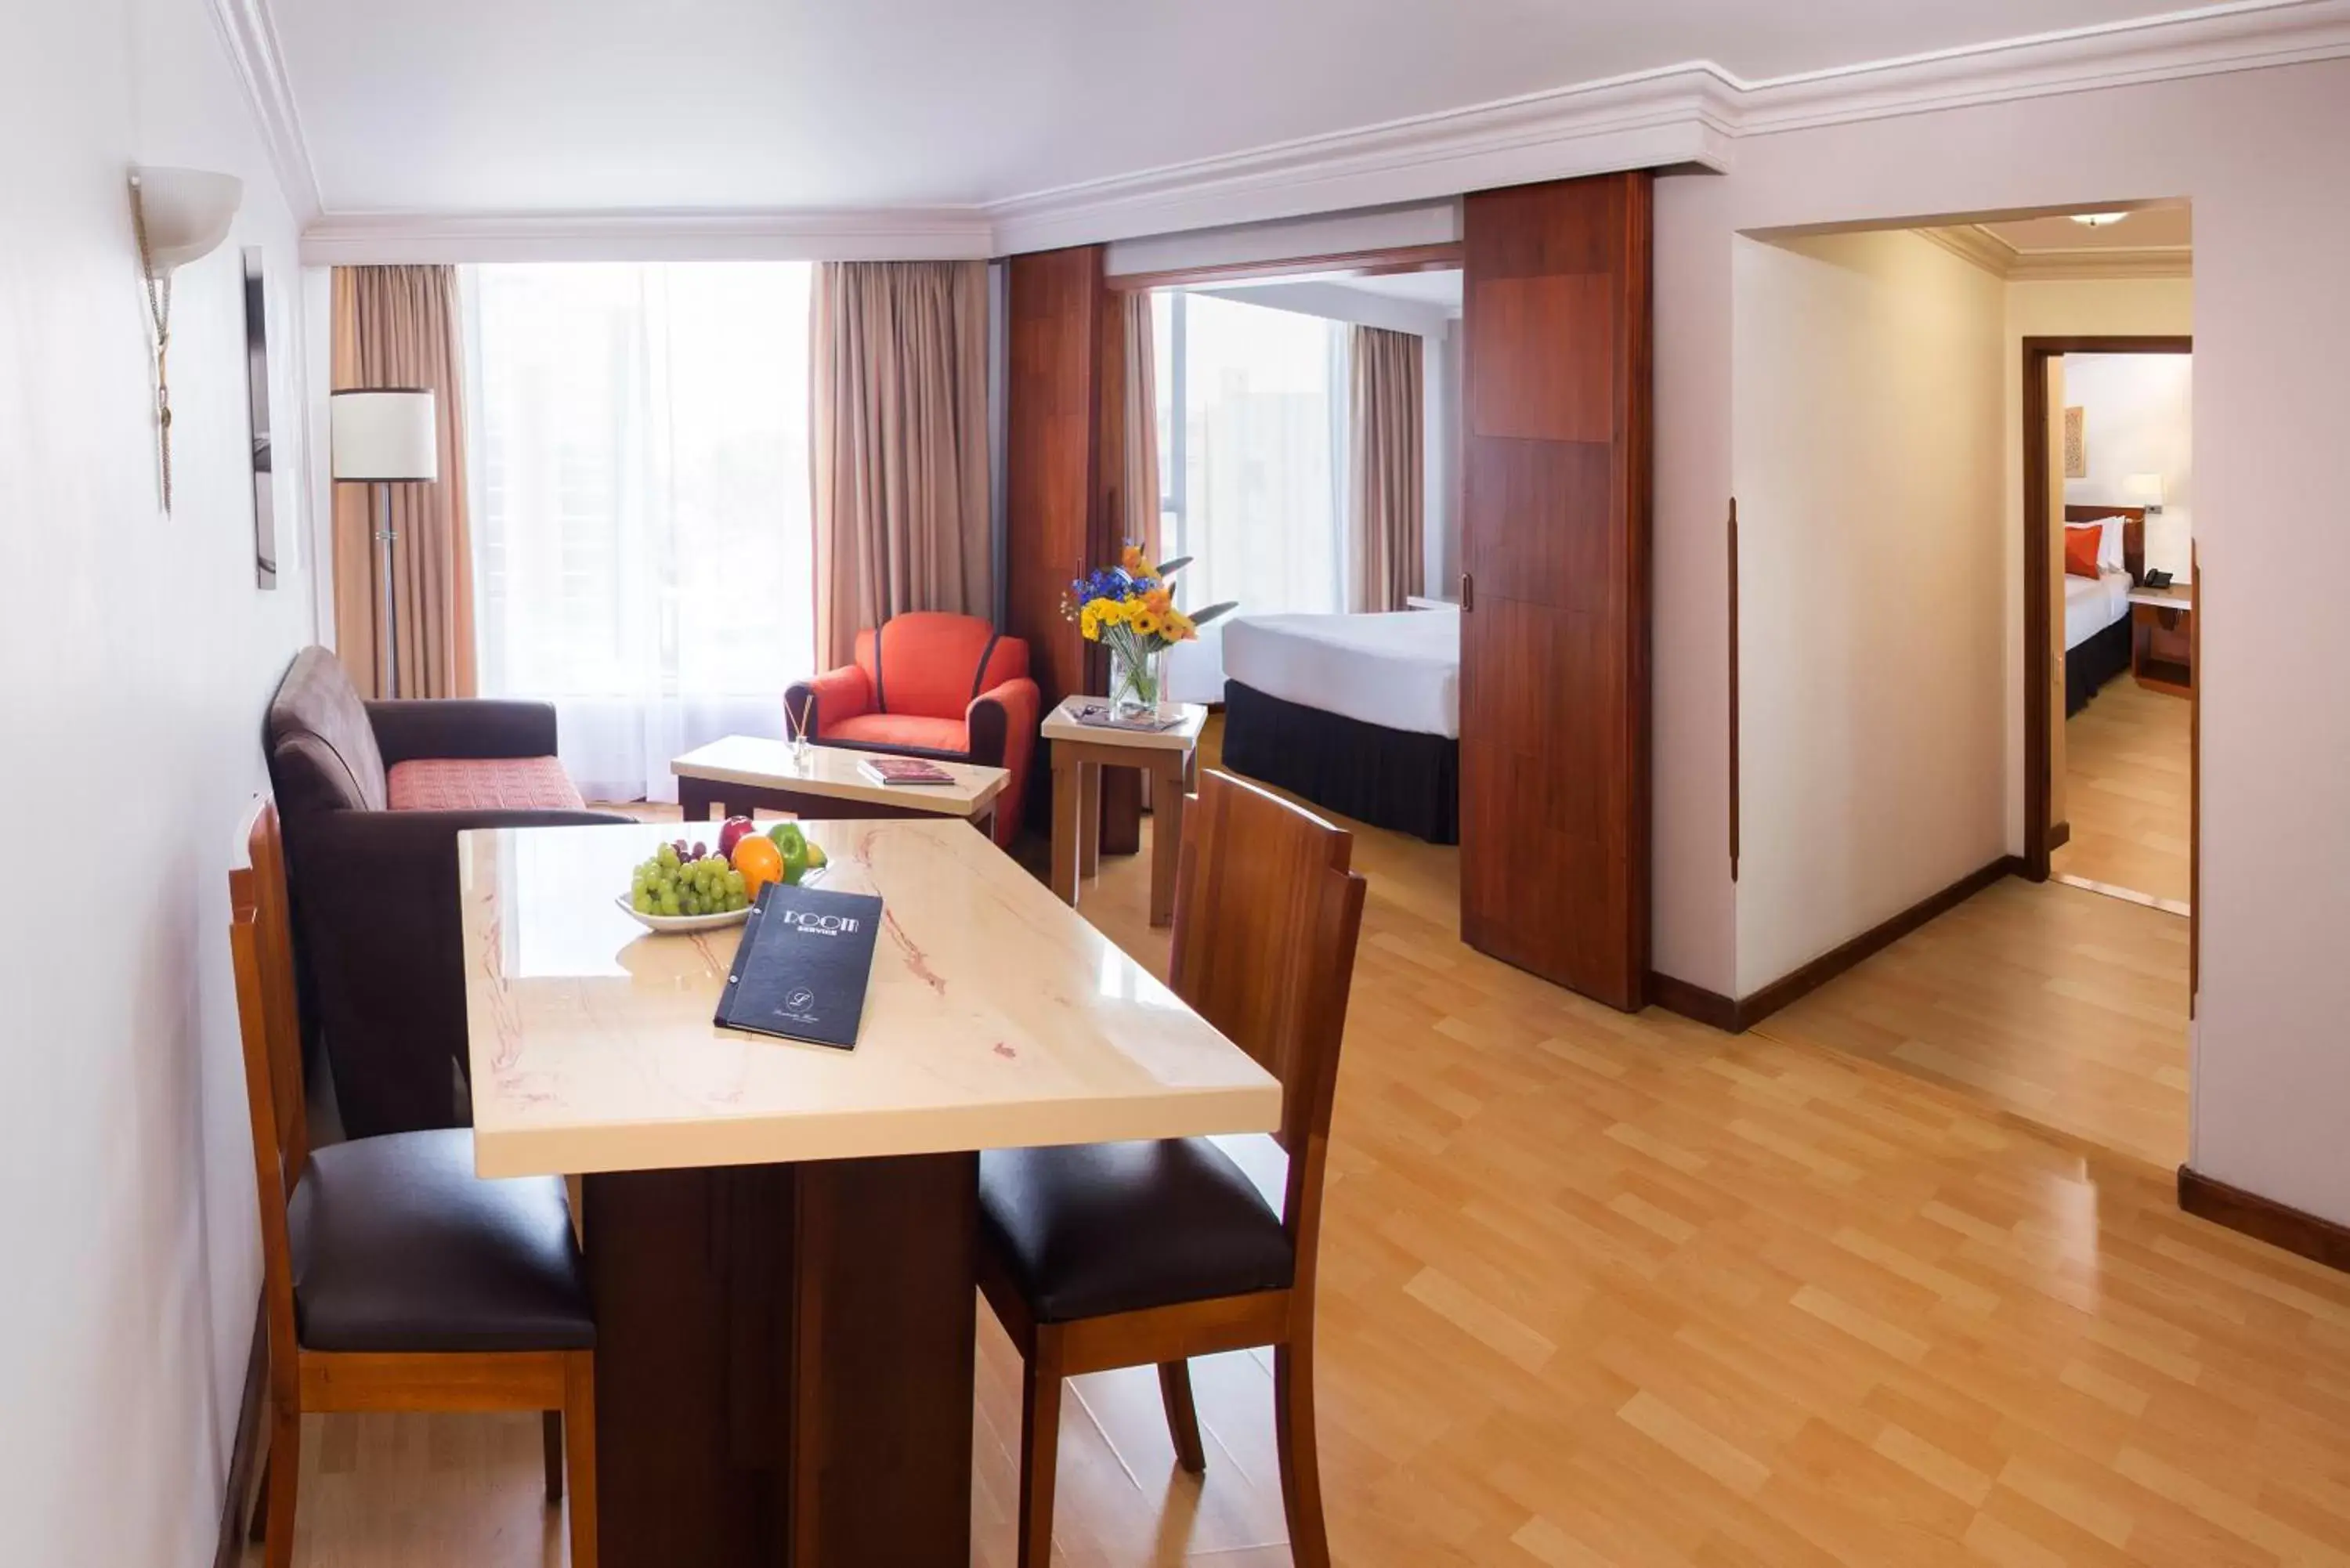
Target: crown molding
column 1973, row 245
column 251, row 38
column 2245, row 35
column 1654, row 119
column 1682, row 117
column 894, row 233
column 2106, row 262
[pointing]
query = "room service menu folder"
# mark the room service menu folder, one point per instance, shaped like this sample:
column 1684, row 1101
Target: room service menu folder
column 800, row 971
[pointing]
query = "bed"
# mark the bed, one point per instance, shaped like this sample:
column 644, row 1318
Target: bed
column 2096, row 609
column 1358, row 713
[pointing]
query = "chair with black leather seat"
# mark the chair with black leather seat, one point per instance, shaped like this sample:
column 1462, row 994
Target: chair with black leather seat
column 1109, row 1255
column 393, row 1277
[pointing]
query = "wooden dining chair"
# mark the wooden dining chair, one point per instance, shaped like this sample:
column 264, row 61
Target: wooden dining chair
column 1109, row 1255
column 393, row 1277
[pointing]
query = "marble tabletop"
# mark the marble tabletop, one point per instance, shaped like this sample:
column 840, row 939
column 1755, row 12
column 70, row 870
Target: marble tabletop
column 996, row 1017
column 1063, row 724
column 834, row 772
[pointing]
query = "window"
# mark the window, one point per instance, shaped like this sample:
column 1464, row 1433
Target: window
column 641, row 508
column 1254, row 469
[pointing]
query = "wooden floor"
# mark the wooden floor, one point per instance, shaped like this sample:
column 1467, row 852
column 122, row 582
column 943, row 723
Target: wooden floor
column 1600, row 1289
column 2064, row 1007
column 2127, row 781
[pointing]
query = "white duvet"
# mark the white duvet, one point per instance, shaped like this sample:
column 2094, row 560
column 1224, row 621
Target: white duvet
column 1400, row 670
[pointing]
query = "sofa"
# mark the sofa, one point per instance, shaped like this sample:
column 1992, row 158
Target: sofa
column 372, row 795
column 929, row 684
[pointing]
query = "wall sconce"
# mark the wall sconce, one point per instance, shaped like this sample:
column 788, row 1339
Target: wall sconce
column 179, row 215
column 2144, row 490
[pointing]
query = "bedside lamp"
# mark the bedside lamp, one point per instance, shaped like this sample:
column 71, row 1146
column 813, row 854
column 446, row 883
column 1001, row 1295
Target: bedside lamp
column 385, row 436
column 2143, row 490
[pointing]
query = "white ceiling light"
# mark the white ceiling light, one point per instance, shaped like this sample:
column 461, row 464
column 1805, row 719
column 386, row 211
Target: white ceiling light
column 2097, row 220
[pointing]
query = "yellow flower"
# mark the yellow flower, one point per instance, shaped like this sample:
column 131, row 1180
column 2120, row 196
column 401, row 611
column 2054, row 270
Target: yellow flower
column 1159, row 601
column 1110, row 612
column 1145, row 620
column 1135, row 564
column 1089, row 622
column 1179, row 626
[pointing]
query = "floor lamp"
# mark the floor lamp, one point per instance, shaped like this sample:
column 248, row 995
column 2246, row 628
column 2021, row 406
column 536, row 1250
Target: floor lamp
column 385, row 436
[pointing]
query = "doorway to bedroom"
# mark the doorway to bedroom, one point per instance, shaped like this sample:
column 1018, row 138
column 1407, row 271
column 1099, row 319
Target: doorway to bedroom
column 2110, row 545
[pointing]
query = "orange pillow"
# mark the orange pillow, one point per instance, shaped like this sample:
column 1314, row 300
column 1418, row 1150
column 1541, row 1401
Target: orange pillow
column 2081, row 542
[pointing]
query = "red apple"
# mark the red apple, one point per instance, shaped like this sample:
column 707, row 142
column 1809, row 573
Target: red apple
column 730, row 834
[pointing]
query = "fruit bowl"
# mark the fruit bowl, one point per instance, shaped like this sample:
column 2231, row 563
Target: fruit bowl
column 678, row 924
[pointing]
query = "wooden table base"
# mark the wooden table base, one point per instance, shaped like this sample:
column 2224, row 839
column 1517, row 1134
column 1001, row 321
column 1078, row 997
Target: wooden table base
column 783, row 1364
column 1077, row 816
column 701, row 800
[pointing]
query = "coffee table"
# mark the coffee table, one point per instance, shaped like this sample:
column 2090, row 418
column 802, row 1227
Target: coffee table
column 733, row 777
column 1080, row 751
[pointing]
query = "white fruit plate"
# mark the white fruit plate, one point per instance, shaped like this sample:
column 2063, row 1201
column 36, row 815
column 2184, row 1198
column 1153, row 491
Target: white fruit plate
column 677, row 925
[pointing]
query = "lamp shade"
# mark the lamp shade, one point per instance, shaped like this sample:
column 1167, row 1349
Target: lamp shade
column 2142, row 489
column 385, row 433
column 186, row 213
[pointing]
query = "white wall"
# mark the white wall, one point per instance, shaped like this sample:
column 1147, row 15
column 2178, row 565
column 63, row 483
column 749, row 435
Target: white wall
column 2137, row 410
column 2252, row 151
column 1866, row 458
column 1331, row 233
column 138, row 655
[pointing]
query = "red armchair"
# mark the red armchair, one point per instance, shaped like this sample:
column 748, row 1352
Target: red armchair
column 932, row 685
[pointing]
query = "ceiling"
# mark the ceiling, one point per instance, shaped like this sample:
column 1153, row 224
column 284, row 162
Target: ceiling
column 2167, row 227
column 530, row 105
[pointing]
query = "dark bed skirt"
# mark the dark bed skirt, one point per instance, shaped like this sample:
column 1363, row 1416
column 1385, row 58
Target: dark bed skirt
column 2088, row 667
column 1389, row 778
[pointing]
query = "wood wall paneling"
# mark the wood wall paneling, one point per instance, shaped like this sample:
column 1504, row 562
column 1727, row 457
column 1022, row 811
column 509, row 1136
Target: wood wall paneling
column 1051, row 454
column 1555, row 657
column 1121, row 788
column 1054, row 395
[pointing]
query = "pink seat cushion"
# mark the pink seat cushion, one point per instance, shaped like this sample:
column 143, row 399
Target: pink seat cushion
column 481, row 783
column 901, row 730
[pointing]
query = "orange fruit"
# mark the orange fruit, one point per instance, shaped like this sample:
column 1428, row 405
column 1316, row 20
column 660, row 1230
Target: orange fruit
column 759, row 861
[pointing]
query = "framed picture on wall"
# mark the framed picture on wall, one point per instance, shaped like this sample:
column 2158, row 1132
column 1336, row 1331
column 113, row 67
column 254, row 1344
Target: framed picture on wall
column 2076, row 443
column 256, row 359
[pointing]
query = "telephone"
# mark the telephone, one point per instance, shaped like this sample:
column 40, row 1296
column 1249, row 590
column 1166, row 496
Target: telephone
column 2158, row 580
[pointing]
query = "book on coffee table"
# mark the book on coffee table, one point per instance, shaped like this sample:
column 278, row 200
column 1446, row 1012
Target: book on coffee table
column 801, row 968
column 903, row 771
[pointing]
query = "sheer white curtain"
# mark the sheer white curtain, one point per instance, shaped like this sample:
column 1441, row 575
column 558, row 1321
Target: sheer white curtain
column 1254, row 447
column 643, row 553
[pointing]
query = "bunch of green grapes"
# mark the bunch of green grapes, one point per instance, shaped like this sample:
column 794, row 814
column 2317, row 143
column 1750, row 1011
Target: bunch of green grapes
column 675, row 883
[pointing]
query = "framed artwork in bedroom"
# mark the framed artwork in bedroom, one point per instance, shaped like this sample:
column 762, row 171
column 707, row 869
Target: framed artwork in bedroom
column 2076, row 443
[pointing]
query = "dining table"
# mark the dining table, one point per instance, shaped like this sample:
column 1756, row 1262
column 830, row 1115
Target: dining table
column 781, row 1238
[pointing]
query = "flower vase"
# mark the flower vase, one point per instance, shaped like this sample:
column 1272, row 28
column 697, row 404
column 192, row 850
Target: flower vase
column 1133, row 681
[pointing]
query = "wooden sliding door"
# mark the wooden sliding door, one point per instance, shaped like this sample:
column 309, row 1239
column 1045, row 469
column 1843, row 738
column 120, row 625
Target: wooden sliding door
column 1555, row 634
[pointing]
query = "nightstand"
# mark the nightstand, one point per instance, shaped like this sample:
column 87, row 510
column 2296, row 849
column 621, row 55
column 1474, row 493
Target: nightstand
column 2162, row 638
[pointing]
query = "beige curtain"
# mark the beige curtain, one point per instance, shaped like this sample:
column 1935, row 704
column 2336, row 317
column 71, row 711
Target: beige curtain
column 1140, row 483
column 398, row 327
column 898, row 407
column 1387, row 493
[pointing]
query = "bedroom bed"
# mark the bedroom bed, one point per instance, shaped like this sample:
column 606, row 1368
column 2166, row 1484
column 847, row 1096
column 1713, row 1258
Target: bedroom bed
column 1358, row 713
column 2096, row 609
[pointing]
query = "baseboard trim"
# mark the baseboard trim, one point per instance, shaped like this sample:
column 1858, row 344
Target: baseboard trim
column 2264, row 1220
column 1736, row 1017
column 2059, row 835
column 245, row 1453
column 1694, row 1001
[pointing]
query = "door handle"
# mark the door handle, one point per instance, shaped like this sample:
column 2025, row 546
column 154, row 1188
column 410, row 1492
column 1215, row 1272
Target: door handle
column 1468, row 591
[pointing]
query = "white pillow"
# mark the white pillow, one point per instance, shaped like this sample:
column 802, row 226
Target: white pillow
column 2110, row 556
